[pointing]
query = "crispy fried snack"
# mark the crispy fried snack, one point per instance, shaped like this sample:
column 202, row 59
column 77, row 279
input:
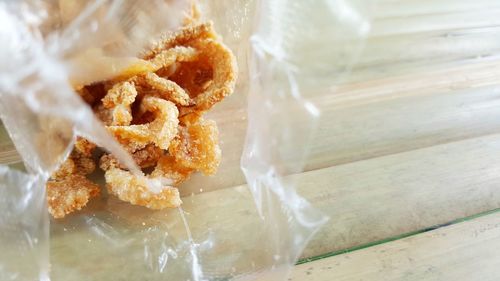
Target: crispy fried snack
column 197, row 147
column 154, row 110
column 166, row 89
column 136, row 190
column 160, row 131
column 118, row 100
column 168, row 167
column 144, row 158
column 210, row 76
column 69, row 194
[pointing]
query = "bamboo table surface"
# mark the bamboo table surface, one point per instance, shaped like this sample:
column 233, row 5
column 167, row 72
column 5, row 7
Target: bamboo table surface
column 408, row 142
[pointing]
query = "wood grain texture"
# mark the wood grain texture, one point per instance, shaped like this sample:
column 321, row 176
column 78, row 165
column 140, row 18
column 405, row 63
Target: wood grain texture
column 410, row 139
column 370, row 119
column 386, row 196
column 463, row 252
column 367, row 200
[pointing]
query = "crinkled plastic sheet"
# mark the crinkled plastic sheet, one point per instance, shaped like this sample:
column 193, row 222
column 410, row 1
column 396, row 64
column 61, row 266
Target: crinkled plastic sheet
column 241, row 233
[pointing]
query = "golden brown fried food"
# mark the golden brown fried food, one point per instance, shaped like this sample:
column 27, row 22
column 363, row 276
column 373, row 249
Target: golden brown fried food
column 168, row 167
column 69, row 194
column 170, row 56
column 154, row 110
column 182, row 37
column 76, row 164
column 207, row 77
column 163, row 59
column 66, row 169
column 84, row 146
column 160, row 131
column 166, row 89
column 137, row 190
column 210, row 78
column 118, row 100
column 144, row 158
column 197, row 147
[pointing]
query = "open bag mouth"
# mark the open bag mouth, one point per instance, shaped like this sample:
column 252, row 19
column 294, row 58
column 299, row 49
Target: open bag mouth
column 81, row 74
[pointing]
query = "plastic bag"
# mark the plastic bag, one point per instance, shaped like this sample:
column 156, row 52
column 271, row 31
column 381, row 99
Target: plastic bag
column 240, row 233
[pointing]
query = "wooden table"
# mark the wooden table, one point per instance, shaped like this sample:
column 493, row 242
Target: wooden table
column 412, row 175
column 406, row 161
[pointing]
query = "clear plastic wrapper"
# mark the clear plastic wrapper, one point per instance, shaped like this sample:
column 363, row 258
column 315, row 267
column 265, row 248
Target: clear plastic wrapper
column 374, row 137
column 242, row 233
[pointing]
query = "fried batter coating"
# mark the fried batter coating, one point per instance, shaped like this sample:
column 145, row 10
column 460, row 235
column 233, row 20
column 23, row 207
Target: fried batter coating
column 76, row 164
column 169, row 56
column 167, row 89
column 69, row 195
column 84, row 165
column 144, row 158
column 66, row 169
column 154, row 110
column 136, row 190
column 210, row 78
column 163, row 59
column 207, row 78
column 118, row 100
column 123, row 93
column 168, row 167
column 160, row 131
column 197, row 147
column 181, row 38
column 84, row 146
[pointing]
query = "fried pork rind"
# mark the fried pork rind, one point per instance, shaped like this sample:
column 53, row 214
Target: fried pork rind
column 170, row 56
column 69, row 194
column 144, row 158
column 168, row 167
column 159, row 132
column 76, row 164
column 182, row 37
column 136, row 190
column 209, row 77
column 118, row 100
column 154, row 110
column 84, row 146
column 166, row 89
column 163, row 59
column 197, row 147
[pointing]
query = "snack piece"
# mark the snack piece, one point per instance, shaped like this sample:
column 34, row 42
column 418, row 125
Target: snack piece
column 118, row 100
column 166, row 89
column 170, row 56
column 136, row 190
column 160, row 131
column 76, row 164
column 167, row 167
column 69, row 194
column 210, row 78
column 84, row 146
column 144, row 158
column 197, row 146
column 189, row 33
column 154, row 109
